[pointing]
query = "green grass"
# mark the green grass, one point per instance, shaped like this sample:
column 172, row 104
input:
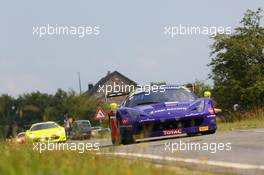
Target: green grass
column 22, row 160
column 243, row 120
column 104, row 135
column 244, row 124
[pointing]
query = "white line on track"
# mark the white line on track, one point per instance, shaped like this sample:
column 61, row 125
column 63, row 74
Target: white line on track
column 259, row 131
column 187, row 160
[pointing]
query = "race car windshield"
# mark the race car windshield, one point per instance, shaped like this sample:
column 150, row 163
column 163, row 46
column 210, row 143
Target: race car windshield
column 83, row 123
column 44, row 126
column 160, row 97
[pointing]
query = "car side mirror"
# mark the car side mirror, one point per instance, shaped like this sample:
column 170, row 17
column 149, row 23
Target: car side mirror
column 207, row 94
column 113, row 106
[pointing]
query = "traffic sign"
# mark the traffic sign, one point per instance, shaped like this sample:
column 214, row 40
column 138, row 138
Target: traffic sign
column 100, row 114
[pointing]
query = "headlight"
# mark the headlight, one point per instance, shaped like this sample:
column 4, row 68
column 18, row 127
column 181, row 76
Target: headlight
column 31, row 135
column 135, row 115
column 200, row 107
column 132, row 114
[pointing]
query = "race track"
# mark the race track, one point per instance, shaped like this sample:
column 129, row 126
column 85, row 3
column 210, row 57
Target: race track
column 239, row 151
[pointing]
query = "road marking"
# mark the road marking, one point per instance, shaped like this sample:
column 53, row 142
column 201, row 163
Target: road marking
column 259, row 131
column 186, row 160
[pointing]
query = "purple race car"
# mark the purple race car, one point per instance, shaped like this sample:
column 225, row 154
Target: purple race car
column 171, row 111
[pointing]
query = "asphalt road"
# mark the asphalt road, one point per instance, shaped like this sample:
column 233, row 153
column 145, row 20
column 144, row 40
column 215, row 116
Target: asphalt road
column 239, row 151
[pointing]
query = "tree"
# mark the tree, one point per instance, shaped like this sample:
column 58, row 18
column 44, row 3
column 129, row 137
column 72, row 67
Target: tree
column 37, row 107
column 8, row 115
column 238, row 64
column 200, row 87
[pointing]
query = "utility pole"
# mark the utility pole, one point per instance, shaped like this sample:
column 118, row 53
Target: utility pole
column 80, row 86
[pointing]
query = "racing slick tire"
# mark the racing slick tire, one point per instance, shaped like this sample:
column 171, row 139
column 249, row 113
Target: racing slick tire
column 120, row 139
column 128, row 140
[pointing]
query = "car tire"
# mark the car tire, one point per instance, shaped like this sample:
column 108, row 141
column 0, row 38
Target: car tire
column 120, row 137
column 125, row 140
column 128, row 141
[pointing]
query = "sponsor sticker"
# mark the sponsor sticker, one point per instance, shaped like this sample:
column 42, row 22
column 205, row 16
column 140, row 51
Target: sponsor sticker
column 172, row 131
column 171, row 104
column 203, row 128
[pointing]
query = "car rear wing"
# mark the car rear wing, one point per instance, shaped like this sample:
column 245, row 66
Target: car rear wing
column 118, row 94
column 190, row 86
column 110, row 95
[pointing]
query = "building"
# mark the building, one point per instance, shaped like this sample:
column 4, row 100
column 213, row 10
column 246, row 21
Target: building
column 114, row 87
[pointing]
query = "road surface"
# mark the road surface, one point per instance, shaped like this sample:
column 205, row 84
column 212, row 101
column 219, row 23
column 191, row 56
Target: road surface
column 238, row 151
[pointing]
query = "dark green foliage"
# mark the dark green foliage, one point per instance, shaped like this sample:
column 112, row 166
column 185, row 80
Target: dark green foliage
column 238, row 64
column 37, row 107
column 200, row 87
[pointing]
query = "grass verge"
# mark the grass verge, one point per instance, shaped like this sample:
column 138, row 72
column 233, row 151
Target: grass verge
column 22, row 160
column 243, row 120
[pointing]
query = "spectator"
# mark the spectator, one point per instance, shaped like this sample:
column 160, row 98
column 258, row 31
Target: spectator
column 67, row 125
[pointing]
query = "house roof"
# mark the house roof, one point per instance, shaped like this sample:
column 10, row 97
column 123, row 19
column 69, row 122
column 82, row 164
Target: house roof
column 106, row 78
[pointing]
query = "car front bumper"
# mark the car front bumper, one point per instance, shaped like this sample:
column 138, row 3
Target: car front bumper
column 170, row 126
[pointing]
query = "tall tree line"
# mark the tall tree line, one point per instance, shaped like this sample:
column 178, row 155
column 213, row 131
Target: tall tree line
column 36, row 107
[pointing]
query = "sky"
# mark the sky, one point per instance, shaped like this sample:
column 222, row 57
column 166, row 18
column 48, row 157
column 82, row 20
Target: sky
column 132, row 41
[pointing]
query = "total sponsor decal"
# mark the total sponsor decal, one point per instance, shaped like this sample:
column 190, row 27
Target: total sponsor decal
column 172, row 132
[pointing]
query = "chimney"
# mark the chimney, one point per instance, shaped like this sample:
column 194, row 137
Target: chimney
column 90, row 86
column 108, row 72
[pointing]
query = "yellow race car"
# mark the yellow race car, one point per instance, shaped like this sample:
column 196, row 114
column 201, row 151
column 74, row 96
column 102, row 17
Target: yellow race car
column 46, row 132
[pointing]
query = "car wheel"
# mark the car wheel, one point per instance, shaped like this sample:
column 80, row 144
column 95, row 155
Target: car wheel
column 118, row 139
column 125, row 140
